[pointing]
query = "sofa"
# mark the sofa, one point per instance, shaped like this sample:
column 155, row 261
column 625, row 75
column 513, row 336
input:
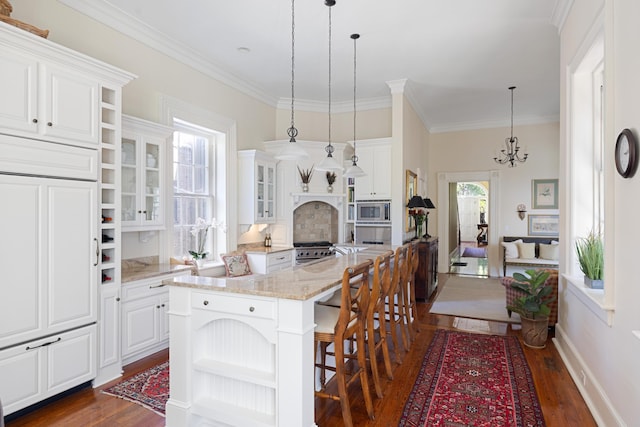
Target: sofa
column 533, row 252
column 512, row 294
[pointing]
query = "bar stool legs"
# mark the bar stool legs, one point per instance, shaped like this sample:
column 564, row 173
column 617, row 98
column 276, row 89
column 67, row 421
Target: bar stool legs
column 335, row 326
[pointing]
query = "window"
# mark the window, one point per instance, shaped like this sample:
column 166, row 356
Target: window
column 587, row 147
column 204, row 143
column 193, row 198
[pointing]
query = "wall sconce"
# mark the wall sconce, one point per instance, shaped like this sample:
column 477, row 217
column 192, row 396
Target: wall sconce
column 522, row 209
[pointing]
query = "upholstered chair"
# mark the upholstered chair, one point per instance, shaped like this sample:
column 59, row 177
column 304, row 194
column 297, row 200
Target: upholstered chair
column 512, row 294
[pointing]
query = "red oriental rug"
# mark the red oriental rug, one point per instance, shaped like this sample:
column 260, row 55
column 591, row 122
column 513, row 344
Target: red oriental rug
column 149, row 388
column 473, row 380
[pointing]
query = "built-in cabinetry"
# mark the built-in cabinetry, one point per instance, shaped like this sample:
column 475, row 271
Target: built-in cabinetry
column 46, row 100
column 256, row 187
column 236, row 375
column 143, row 154
column 45, row 367
column 59, row 137
column 268, row 262
column 374, row 157
column 427, row 273
column 145, row 317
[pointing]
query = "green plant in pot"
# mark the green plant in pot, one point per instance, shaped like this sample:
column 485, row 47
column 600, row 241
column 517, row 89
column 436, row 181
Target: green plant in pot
column 590, row 251
column 533, row 305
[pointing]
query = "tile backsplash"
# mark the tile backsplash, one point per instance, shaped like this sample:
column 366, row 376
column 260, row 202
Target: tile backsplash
column 315, row 221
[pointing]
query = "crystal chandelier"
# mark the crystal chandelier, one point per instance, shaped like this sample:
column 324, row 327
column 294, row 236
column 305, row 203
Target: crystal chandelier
column 511, row 154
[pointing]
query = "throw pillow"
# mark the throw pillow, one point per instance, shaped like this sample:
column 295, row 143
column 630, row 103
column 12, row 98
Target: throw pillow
column 527, row 250
column 550, row 252
column 511, row 248
column 236, row 265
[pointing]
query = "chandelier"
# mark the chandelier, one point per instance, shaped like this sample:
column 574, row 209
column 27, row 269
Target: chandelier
column 511, row 154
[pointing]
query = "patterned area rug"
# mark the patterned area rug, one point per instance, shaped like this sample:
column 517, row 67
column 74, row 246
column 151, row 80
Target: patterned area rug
column 473, row 380
column 474, row 252
column 149, row 388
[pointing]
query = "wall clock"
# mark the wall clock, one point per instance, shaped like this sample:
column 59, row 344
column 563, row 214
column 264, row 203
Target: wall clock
column 626, row 153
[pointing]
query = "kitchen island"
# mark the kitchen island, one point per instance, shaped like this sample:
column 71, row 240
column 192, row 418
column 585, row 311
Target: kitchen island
column 241, row 349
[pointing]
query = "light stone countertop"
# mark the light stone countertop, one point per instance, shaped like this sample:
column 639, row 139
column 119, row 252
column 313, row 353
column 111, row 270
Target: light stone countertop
column 301, row 282
column 149, row 267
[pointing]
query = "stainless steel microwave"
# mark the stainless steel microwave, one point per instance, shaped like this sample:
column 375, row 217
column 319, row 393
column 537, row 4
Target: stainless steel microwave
column 373, row 212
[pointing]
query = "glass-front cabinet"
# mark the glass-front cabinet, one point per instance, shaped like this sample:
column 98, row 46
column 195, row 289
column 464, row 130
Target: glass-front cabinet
column 257, row 187
column 142, row 166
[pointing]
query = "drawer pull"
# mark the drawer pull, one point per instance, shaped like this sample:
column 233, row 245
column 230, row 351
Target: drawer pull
column 252, row 309
column 206, row 302
column 157, row 286
column 45, row 344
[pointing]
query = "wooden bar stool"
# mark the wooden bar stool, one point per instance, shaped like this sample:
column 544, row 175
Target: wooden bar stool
column 336, row 325
column 376, row 335
column 394, row 308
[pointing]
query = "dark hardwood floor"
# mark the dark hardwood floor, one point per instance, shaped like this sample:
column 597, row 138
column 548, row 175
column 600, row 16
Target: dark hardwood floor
column 561, row 403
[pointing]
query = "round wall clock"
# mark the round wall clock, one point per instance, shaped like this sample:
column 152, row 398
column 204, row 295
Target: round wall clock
column 626, row 153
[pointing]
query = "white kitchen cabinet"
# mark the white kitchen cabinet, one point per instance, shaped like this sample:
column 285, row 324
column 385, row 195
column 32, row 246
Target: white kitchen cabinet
column 142, row 168
column 109, row 330
column 52, row 257
column 263, row 262
column 49, row 100
column 145, row 317
column 235, row 380
column 374, row 157
column 256, row 187
column 39, row 369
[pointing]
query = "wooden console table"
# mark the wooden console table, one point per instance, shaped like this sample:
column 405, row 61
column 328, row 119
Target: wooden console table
column 427, row 273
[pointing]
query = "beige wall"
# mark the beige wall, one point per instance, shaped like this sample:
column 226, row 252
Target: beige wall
column 474, row 150
column 602, row 341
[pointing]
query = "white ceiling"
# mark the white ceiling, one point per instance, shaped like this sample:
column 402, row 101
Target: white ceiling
column 458, row 56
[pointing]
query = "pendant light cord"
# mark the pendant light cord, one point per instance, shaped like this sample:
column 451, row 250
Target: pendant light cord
column 292, row 131
column 293, row 45
column 354, row 158
column 511, row 89
column 330, row 78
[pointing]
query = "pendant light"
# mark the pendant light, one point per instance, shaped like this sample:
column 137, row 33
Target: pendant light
column 511, row 154
column 354, row 171
column 293, row 150
column 329, row 163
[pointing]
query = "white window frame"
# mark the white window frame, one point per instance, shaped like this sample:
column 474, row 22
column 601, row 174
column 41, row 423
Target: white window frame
column 225, row 167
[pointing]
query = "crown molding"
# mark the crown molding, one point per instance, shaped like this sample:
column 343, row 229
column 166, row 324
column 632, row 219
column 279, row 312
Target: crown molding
column 560, row 13
column 336, row 107
column 109, row 15
column 521, row 121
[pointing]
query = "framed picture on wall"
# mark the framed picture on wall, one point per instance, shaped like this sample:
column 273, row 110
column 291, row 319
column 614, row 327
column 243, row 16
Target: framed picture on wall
column 545, row 193
column 544, row 225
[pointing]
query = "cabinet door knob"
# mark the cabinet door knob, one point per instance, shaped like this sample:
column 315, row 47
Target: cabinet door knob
column 252, row 309
column 157, row 306
column 117, row 299
column 35, row 120
column 206, row 302
column 49, row 124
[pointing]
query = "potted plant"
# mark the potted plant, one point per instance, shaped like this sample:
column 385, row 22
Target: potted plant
column 533, row 305
column 305, row 177
column 331, row 178
column 590, row 251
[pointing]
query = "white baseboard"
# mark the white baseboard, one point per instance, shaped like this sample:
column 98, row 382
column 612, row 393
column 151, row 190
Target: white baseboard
column 593, row 394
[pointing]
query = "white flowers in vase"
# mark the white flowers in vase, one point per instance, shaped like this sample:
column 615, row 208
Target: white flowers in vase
column 200, row 231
